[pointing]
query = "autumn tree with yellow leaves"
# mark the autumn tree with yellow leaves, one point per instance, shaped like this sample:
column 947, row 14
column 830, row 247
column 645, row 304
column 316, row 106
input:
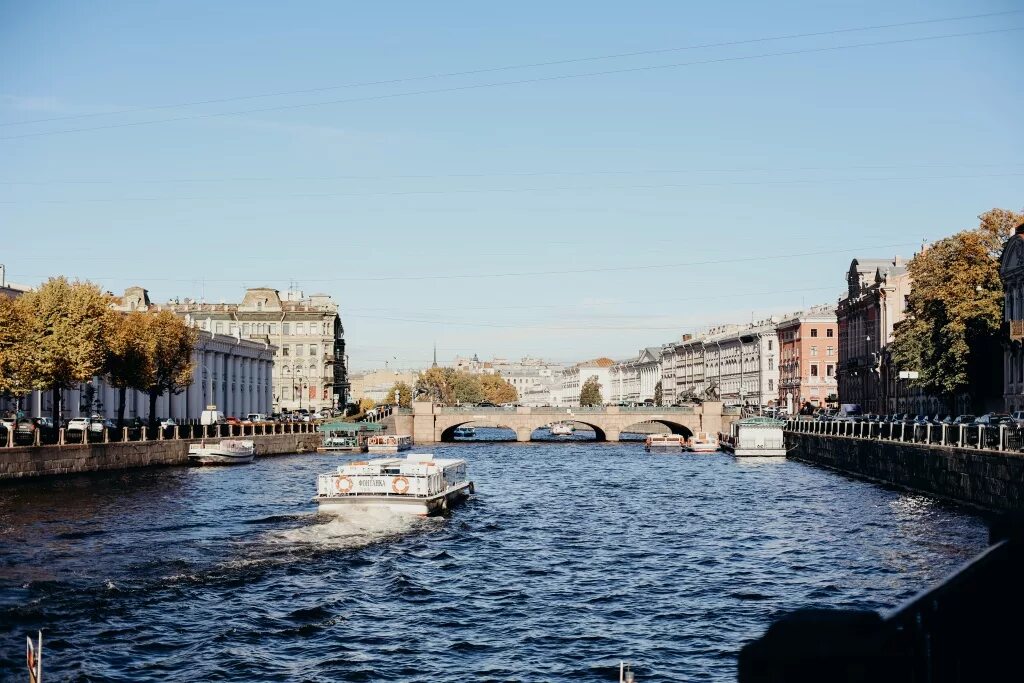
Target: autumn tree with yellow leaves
column 950, row 335
column 169, row 344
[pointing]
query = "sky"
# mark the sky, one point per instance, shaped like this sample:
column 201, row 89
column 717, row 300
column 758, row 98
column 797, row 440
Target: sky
column 564, row 180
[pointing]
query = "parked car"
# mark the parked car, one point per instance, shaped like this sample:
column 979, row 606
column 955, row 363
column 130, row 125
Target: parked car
column 232, row 421
column 964, row 420
column 169, row 423
column 993, row 419
column 1018, row 418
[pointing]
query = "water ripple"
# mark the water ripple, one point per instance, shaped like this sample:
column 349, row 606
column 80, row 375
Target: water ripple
column 571, row 557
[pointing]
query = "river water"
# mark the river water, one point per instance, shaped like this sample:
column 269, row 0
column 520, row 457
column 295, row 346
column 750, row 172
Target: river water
column 570, row 557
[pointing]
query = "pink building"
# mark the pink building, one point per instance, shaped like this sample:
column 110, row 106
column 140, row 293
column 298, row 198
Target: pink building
column 808, row 355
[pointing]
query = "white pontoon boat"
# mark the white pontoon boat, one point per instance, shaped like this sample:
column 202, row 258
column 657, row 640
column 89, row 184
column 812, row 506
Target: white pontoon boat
column 226, row 452
column 417, row 484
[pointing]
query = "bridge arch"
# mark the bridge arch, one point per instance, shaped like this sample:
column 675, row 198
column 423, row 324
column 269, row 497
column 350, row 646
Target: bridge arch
column 673, row 427
column 448, row 433
column 599, row 432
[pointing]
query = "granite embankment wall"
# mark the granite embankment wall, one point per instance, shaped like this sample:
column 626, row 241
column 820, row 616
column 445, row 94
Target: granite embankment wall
column 29, row 461
column 987, row 479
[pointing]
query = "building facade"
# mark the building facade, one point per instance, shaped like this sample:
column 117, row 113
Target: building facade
column 808, row 355
column 536, row 380
column 875, row 300
column 231, row 373
column 574, row 377
column 736, row 364
column 635, row 380
column 1011, row 271
column 376, row 384
column 310, row 365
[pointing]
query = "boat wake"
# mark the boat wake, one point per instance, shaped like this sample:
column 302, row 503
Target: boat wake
column 353, row 529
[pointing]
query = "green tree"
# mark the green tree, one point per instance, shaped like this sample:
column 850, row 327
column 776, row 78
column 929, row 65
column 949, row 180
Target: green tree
column 950, row 335
column 657, row 393
column 66, row 325
column 590, row 393
column 498, row 390
column 466, row 388
column 127, row 362
column 404, row 394
column 366, row 404
column 169, row 345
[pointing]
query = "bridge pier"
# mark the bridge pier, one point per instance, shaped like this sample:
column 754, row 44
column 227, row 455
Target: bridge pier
column 611, row 435
column 524, row 434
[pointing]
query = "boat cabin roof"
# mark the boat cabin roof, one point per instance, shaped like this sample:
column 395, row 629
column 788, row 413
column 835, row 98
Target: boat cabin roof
column 413, row 463
column 342, row 427
column 760, row 421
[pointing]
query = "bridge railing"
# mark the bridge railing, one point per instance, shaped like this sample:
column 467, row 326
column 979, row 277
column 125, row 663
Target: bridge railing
column 982, row 437
column 565, row 410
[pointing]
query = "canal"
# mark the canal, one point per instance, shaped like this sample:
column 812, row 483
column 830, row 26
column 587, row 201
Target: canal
column 570, row 557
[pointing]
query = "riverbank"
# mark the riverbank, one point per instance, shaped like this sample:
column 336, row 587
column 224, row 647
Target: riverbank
column 41, row 461
column 989, row 480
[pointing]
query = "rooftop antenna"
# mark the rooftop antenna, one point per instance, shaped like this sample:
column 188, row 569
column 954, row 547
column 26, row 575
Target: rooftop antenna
column 435, row 356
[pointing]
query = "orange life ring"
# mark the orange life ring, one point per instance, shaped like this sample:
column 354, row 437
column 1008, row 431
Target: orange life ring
column 400, row 485
column 342, row 485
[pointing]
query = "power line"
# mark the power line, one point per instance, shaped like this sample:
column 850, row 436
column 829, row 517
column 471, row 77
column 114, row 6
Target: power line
column 507, row 190
column 475, row 276
column 479, row 86
column 501, row 174
column 471, row 72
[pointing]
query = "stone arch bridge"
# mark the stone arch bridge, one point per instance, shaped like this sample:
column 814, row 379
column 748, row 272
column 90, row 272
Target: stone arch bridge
column 430, row 423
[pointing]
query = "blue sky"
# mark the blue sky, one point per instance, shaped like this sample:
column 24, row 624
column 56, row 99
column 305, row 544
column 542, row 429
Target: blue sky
column 750, row 181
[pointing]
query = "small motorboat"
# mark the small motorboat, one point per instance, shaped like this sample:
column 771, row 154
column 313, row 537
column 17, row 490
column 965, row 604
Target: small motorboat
column 392, row 443
column 562, row 429
column 417, row 484
column 702, row 442
column 756, row 436
column 226, row 452
column 465, row 432
column 664, row 443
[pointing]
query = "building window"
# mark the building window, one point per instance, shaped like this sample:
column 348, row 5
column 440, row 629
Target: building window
column 814, row 331
column 285, row 352
column 220, row 328
column 771, row 385
column 299, row 348
column 829, row 332
column 814, row 350
column 830, row 350
column 232, row 328
column 814, row 369
column 247, row 329
column 300, row 328
column 286, row 327
column 830, row 370
column 769, row 344
column 312, row 349
column 771, row 363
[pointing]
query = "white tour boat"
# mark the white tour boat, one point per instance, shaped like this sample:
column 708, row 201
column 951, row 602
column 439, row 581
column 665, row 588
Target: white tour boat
column 562, row 429
column 416, row 484
column 465, row 432
column 756, row 436
column 702, row 442
column 226, row 452
column 391, row 443
column 664, row 443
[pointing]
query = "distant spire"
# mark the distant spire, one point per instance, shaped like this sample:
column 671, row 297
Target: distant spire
column 435, row 356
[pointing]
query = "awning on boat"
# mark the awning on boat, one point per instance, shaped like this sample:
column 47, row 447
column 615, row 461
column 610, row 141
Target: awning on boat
column 762, row 421
column 342, row 427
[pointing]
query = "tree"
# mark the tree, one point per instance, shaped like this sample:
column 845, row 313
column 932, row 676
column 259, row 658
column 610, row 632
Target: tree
column 498, row 390
column 950, row 335
column 466, row 388
column 366, row 405
column 127, row 362
column 657, row 393
column 590, row 393
column 404, row 394
column 169, row 343
column 435, row 383
column 65, row 325
column 14, row 352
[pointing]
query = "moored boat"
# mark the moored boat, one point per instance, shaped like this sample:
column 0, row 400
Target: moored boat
column 417, row 484
column 664, row 443
column 755, row 436
column 702, row 442
column 226, row 452
column 391, row 443
column 465, row 432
